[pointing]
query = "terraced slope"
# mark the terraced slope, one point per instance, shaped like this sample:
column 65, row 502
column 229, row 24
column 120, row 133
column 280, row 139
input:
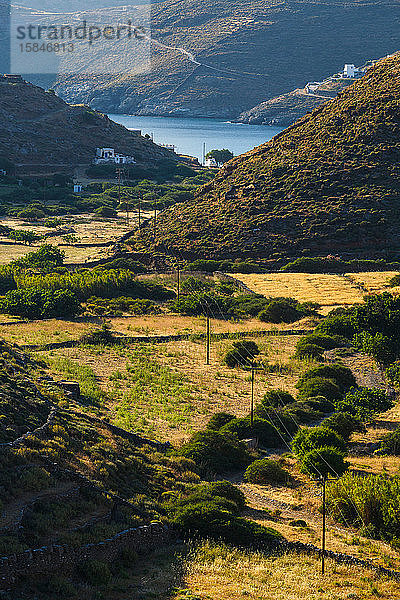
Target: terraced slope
column 328, row 184
column 66, row 477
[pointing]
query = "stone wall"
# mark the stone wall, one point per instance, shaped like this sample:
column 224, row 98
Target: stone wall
column 65, row 559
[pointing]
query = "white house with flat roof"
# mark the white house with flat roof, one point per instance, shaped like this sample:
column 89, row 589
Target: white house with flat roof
column 107, row 156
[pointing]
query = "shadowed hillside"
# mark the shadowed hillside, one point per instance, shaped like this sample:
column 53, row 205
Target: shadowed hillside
column 329, row 183
column 38, row 129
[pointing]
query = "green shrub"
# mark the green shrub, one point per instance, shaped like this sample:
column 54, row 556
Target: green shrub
column 266, row 433
column 211, row 520
column 194, row 284
column 302, row 413
column 277, row 398
column 344, row 424
column 216, row 451
column 95, row 572
column 339, row 322
column 34, row 303
column 311, row 351
column 323, row 462
column 280, row 418
column 391, row 442
column 126, row 264
column 280, row 311
column 298, row 523
column 342, row 376
column 219, row 489
column 218, row 420
column 319, row 386
column 31, row 213
column 312, row 438
column 106, row 211
column 242, row 354
column 314, row 344
column 363, row 403
column 266, row 471
column 381, row 347
column 393, row 373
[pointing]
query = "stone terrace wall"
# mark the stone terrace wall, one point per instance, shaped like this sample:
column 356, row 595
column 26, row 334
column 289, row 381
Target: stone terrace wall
column 56, row 558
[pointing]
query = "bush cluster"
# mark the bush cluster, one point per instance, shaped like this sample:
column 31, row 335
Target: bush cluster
column 212, row 511
column 370, row 500
column 266, row 471
column 242, row 354
column 320, row 451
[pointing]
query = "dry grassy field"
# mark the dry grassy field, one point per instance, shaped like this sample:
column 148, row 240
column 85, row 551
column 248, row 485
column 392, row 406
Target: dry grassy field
column 212, row 571
column 45, row 332
column 85, row 228
column 327, row 290
column 166, row 391
column 59, row 330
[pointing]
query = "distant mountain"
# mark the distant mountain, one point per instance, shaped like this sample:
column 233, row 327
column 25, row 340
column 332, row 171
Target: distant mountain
column 328, row 184
column 218, row 58
column 38, row 130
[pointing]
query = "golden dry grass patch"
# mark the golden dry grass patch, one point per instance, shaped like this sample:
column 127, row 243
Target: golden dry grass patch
column 206, row 388
column 221, row 573
column 44, row 332
column 374, row 282
column 327, row 290
column 173, row 324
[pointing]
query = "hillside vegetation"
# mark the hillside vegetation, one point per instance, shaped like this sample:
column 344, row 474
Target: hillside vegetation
column 329, row 183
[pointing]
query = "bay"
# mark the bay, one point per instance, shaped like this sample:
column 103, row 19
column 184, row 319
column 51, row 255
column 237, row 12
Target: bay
column 189, row 135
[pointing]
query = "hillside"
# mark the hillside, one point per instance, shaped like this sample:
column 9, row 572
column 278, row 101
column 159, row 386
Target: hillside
column 218, row 58
column 288, row 108
column 73, row 480
column 329, row 183
column 39, row 131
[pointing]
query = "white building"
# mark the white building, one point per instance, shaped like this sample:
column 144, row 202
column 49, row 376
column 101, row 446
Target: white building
column 211, row 162
column 351, row 71
column 109, row 156
column 77, row 188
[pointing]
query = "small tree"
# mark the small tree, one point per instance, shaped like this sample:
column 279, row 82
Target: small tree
column 220, row 156
column 324, row 462
column 266, row 471
column 309, row 439
column 277, row 398
column 242, row 354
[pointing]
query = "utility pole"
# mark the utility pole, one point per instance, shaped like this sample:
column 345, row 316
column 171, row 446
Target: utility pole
column 139, row 207
column 178, row 273
column 127, row 212
column 253, row 368
column 208, row 342
column 204, row 154
column 119, row 186
column 323, row 523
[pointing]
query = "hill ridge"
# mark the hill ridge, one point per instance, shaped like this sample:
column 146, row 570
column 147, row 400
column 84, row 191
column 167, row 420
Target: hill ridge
column 330, row 183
